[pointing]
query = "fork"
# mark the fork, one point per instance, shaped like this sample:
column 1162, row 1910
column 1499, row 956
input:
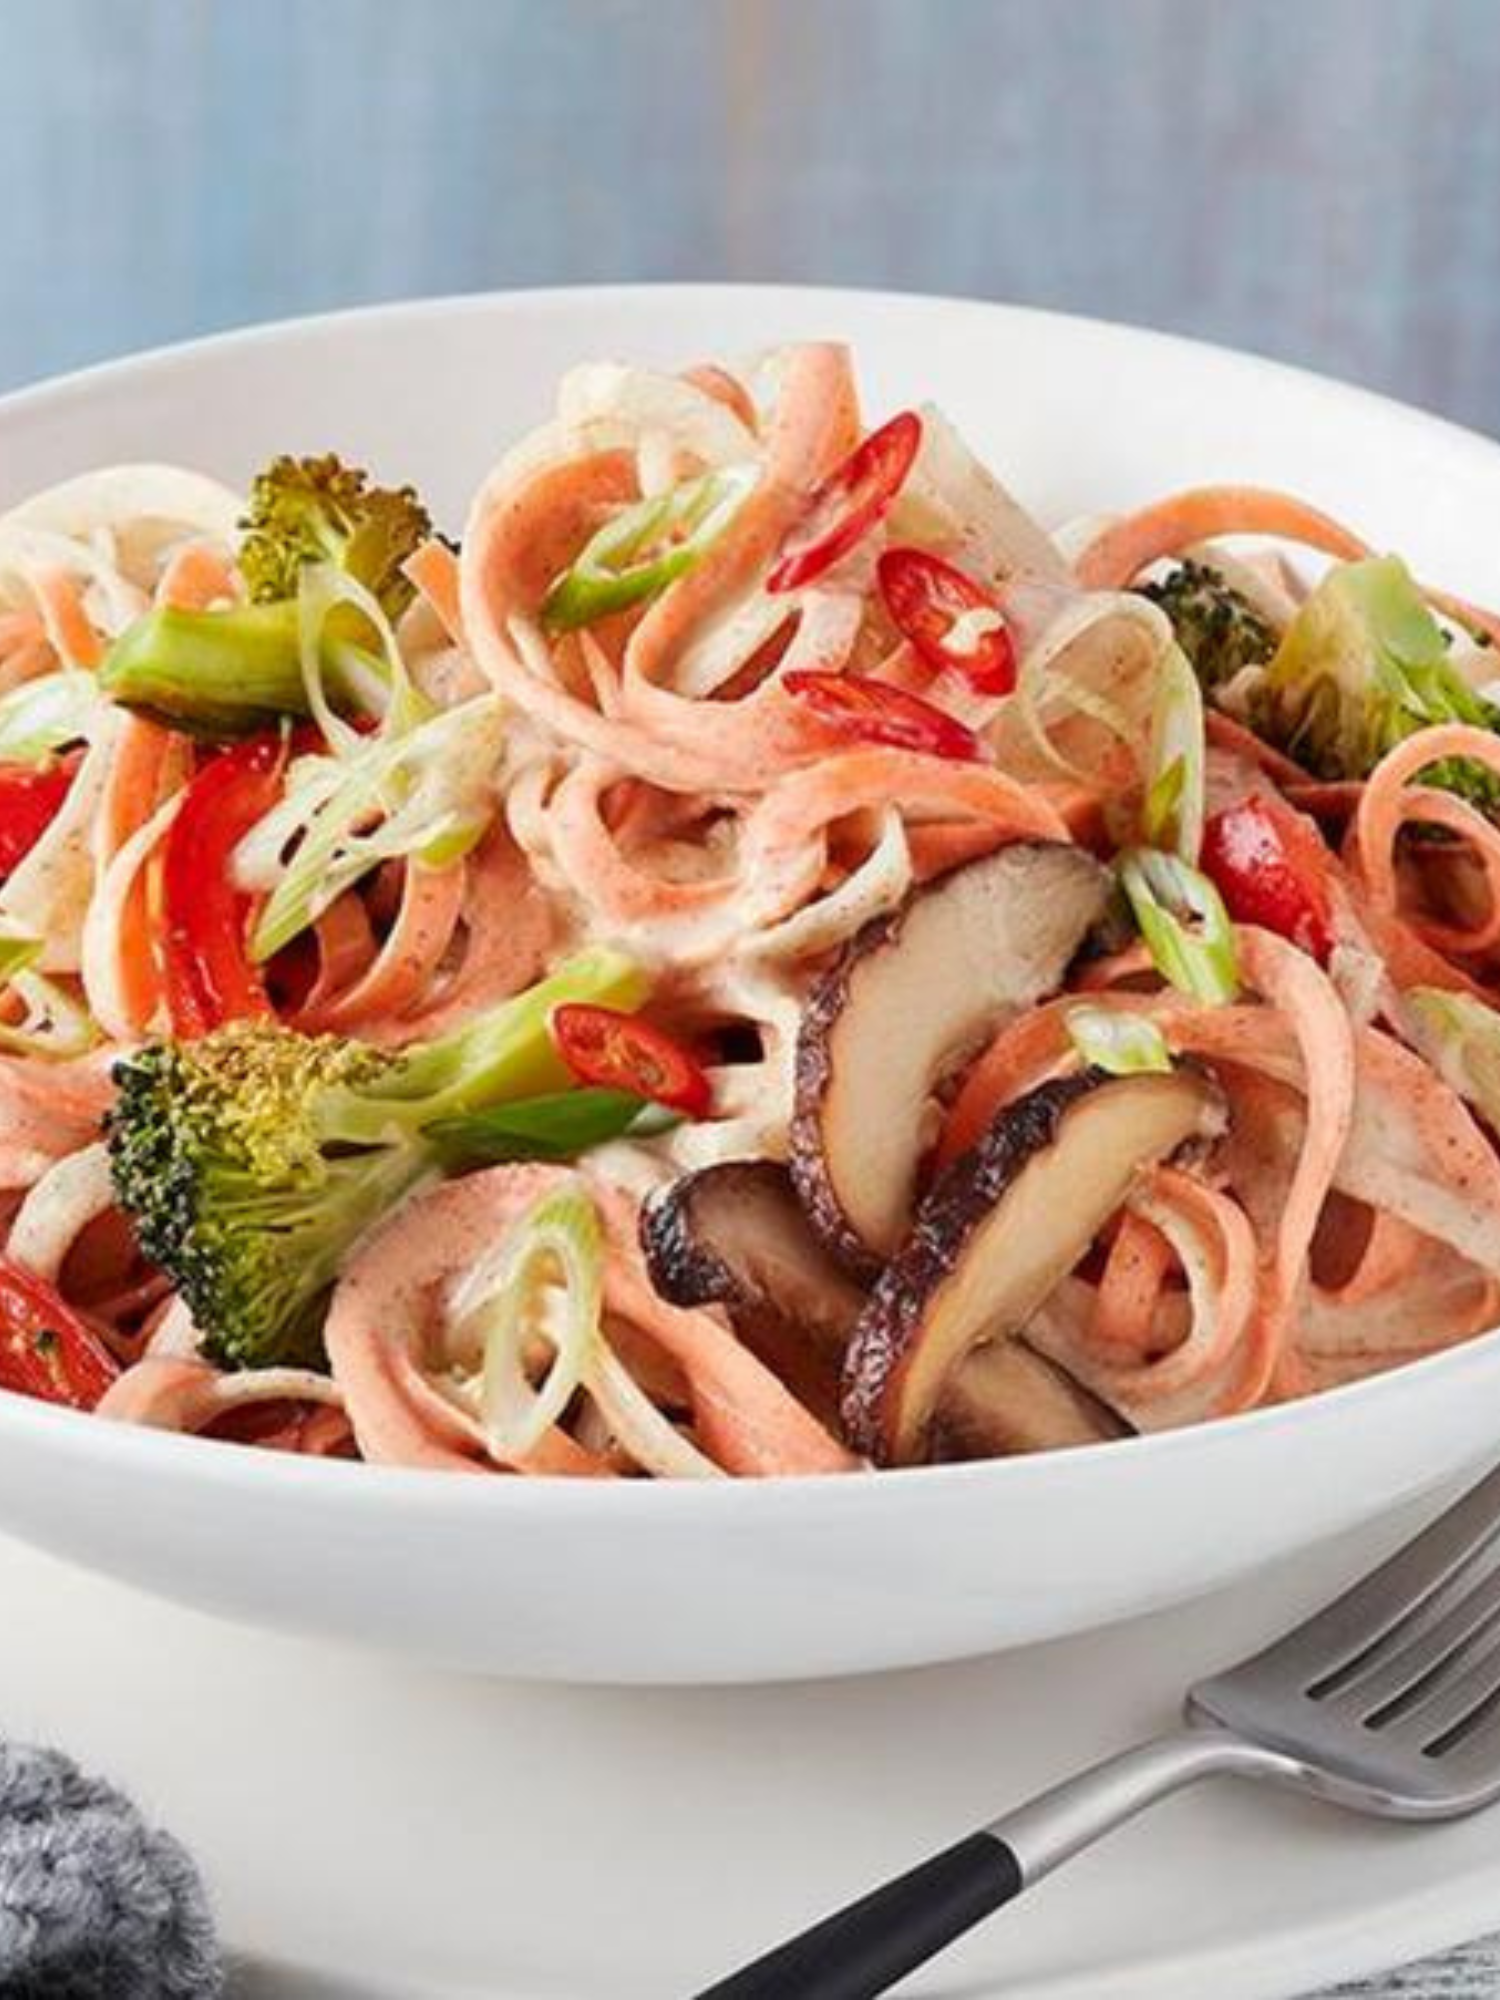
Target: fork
column 1387, row 1701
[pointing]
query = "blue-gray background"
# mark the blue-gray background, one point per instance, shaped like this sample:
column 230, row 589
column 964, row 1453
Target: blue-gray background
column 1318, row 179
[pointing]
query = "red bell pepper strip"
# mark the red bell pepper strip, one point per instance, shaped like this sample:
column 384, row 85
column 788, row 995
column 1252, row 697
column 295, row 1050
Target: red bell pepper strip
column 1272, row 869
column 621, row 1052
column 209, row 975
column 864, row 711
column 952, row 621
column 46, row 1350
column 31, row 797
column 850, row 501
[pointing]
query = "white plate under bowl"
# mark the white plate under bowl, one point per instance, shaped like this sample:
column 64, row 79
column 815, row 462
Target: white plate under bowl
column 745, row 1580
column 372, row 1831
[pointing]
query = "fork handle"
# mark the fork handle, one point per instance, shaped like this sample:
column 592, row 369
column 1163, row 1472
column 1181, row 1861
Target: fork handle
column 862, row 1950
column 867, row 1947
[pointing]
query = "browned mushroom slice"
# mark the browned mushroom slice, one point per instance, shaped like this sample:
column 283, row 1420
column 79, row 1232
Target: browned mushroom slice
column 1002, row 1227
column 910, row 997
column 735, row 1235
column 1004, row 1399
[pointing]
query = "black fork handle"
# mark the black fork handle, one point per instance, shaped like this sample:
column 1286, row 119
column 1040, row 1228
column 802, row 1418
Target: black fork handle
column 863, row 1950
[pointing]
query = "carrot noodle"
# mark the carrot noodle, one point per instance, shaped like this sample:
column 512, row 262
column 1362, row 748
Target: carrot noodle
column 658, row 787
column 1126, row 547
column 1389, row 801
column 346, row 946
column 1308, row 1001
column 1172, row 526
column 434, row 571
column 1210, row 1368
column 402, row 970
column 1224, row 733
column 119, row 963
column 726, row 389
column 69, row 630
column 1130, row 1289
column 182, row 1393
column 197, row 575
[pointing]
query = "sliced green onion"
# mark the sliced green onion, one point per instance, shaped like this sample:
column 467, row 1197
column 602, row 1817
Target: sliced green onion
column 558, row 1126
column 17, row 954
column 45, row 715
column 1125, row 1044
column 381, row 686
column 1173, row 813
column 430, row 791
column 54, row 1025
column 644, row 548
column 535, row 1318
column 651, row 1439
column 1460, row 1037
column 548, row 1292
column 1185, row 925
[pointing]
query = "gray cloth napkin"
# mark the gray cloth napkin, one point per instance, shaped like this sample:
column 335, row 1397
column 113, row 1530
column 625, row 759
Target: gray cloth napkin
column 94, row 1903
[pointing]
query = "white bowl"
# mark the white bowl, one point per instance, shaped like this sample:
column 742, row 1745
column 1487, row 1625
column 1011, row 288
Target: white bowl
column 748, row 1580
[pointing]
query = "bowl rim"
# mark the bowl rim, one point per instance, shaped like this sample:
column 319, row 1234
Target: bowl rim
column 82, row 1434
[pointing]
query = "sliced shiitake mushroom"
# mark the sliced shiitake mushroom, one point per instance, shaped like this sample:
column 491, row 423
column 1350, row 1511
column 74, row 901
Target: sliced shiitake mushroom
column 909, row 998
column 1004, row 1399
column 735, row 1235
column 1004, row 1224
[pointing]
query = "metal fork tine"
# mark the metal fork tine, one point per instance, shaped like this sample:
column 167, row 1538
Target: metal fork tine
column 1338, row 1638
column 1454, row 1695
column 1437, row 1633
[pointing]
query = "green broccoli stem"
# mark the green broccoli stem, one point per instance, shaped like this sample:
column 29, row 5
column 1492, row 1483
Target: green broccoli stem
column 505, row 1054
column 230, row 672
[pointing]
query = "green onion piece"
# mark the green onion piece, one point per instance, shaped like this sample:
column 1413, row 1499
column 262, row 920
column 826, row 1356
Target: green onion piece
column 17, row 954
column 430, row 789
column 53, row 1025
column 1124, row 1044
column 333, row 666
column 1184, row 922
column 1460, row 1037
column 1173, row 813
column 558, row 1126
column 45, row 715
column 644, row 548
column 548, row 1292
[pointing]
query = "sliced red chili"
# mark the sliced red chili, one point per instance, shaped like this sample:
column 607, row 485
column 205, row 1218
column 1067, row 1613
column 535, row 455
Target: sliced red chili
column 31, row 797
column 850, row 501
column 954, row 623
column 863, row 711
column 622, row 1052
column 46, row 1349
column 209, row 975
column 1272, row 869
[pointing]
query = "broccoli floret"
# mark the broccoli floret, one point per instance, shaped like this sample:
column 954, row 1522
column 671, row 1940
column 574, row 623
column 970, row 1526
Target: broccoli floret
column 1217, row 627
column 252, row 1159
column 231, row 670
column 306, row 510
column 1362, row 666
